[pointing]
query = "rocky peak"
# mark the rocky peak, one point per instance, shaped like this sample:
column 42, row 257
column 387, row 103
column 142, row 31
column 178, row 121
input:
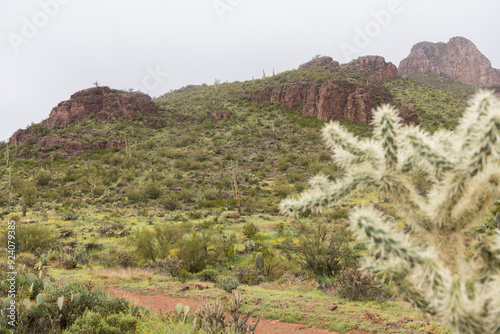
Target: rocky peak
column 324, row 62
column 340, row 99
column 458, row 60
column 375, row 67
column 103, row 103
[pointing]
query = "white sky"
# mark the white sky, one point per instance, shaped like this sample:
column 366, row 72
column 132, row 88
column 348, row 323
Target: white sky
column 118, row 43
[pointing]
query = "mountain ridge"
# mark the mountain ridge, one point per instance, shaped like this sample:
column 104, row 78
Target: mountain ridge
column 459, row 59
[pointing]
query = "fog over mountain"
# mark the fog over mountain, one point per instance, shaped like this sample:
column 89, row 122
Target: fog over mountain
column 53, row 48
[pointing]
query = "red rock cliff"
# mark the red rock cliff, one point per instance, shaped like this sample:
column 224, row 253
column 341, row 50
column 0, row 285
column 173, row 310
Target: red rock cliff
column 101, row 102
column 458, row 60
column 334, row 100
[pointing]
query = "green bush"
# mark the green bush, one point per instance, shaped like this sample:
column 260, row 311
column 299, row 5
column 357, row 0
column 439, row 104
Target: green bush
column 195, row 251
column 227, row 283
column 208, row 275
column 250, row 230
column 91, row 323
column 28, row 192
column 324, row 253
column 355, row 285
column 34, row 236
column 156, row 243
column 151, row 191
column 42, row 178
column 170, row 201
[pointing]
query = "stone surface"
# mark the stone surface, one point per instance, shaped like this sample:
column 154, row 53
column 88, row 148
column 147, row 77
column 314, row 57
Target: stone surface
column 334, row 100
column 375, row 68
column 458, row 60
column 324, row 62
column 103, row 103
column 340, row 99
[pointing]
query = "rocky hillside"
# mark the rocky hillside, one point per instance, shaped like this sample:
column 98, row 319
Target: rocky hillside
column 458, row 60
column 341, row 98
column 101, row 103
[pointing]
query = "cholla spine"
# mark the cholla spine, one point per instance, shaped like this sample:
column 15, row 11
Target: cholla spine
column 465, row 168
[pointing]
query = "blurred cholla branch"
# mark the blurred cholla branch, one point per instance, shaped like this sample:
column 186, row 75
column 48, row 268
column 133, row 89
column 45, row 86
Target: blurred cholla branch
column 465, row 171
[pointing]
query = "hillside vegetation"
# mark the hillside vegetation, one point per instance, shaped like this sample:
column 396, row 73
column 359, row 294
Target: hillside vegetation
column 198, row 200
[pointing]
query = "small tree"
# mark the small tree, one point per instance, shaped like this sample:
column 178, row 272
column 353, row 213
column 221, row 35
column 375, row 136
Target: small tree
column 465, row 169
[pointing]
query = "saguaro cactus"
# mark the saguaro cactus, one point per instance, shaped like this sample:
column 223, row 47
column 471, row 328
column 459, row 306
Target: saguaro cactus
column 259, row 261
column 465, row 167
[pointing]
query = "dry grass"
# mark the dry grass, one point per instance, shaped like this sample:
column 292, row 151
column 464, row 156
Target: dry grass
column 124, row 274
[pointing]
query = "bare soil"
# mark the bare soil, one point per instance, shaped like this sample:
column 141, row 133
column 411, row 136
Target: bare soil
column 164, row 304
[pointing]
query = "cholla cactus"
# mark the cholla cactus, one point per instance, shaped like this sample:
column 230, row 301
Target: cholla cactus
column 465, row 168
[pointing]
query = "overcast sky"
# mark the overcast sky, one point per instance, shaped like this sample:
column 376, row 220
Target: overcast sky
column 53, row 48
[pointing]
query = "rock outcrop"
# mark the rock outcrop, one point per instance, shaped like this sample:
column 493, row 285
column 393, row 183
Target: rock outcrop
column 324, row 62
column 103, row 103
column 340, row 99
column 458, row 60
column 374, row 68
column 334, row 100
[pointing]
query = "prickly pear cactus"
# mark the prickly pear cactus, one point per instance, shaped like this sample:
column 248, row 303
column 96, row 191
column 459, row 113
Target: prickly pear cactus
column 40, row 299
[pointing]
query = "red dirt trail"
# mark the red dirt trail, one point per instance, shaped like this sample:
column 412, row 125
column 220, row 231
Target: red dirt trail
column 165, row 303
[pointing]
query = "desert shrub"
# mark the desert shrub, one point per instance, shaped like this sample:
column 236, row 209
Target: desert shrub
column 28, row 192
column 35, row 236
column 42, row 178
column 247, row 274
column 282, row 190
column 205, row 225
column 121, row 258
column 169, row 201
column 227, row 283
column 69, row 257
column 193, row 214
column 91, row 323
column 210, row 194
column 324, row 255
column 127, row 323
column 156, row 243
column 294, row 175
column 186, row 195
column 133, row 194
column 151, row 191
column 183, row 141
column 28, row 259
column 195, row 251
column 171, row 265
column 208, row 275
column 338, row 214
column 225, row 246
column 200, row 155
column 355, row 285
column 250, row 230
column 70, row 215
column 208, row 204
column 284, row 163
